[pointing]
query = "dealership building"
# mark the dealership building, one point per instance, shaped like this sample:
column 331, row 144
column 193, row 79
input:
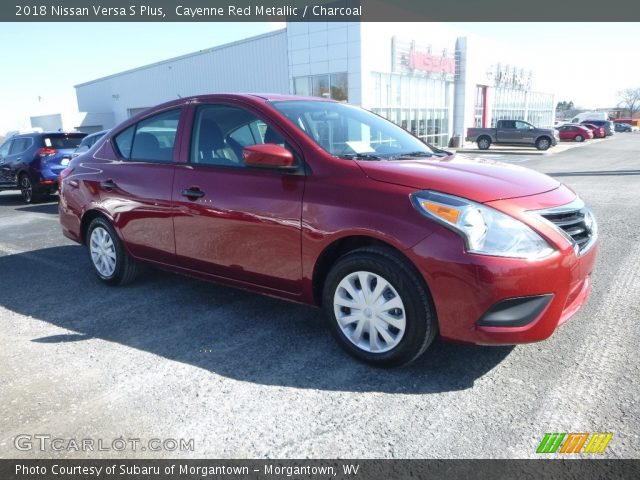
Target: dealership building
column 427, row 78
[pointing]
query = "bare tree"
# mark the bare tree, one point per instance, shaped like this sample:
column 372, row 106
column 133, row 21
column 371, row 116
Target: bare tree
column 630, row 99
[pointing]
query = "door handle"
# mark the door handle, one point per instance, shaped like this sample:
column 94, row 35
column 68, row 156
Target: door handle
column 108, row 184
column 192, row 193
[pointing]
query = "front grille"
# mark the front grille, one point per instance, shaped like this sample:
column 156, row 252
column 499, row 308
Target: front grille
column 576, row 222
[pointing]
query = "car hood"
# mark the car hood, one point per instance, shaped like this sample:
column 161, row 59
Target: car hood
column 478, row 179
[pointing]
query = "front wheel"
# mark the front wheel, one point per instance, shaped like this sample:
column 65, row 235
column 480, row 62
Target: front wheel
column 111, row 263
column 379, row 310
column 579, row 138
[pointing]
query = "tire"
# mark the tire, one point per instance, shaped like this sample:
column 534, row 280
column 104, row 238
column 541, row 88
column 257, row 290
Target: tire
column 28, row 192
column 579, row 138
column 484, row 143
column 413, row 323
column 111, row 263
column 543, row 143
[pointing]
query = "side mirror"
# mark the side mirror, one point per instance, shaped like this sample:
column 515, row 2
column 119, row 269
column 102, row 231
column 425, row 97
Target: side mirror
column 268, row 155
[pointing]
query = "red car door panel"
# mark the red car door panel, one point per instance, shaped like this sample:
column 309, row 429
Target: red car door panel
column 141, row 201
column 245, row 223
column 246, row 226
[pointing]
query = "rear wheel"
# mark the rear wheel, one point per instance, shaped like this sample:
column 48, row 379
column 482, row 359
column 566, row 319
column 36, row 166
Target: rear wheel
column 484, row 143
column 111, row 263
column 543, row 143
column 379, row 310
column 29, row 193
column 579, row 138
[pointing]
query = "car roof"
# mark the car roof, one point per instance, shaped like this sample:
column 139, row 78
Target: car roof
column 252, row 97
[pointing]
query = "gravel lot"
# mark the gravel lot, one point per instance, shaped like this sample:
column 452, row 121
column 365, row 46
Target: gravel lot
column 249, row 376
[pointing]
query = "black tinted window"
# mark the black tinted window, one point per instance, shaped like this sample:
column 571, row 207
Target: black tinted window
column 123, row 141
column 63, row 141
column 4, row 149
column 20, row 145
column 220, row 132
column 155, row 137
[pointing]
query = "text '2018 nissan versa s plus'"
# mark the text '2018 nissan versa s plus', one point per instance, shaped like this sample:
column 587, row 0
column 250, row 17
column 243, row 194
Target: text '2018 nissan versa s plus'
column 324, row 203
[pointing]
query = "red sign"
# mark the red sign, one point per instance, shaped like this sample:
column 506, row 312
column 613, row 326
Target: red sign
column 431, row 63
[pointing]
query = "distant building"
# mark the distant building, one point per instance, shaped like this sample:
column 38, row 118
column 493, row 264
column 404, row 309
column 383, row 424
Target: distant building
column 430, row 81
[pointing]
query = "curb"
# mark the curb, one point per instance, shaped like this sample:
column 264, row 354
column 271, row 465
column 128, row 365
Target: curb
column 561, row 147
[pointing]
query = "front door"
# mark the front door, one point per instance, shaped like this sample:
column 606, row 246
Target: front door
column 233, row 221
column 4, row 166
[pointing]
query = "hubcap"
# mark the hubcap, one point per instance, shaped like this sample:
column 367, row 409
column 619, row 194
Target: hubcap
column 103, row 252
column 544, row 143
column 370, row 312
column 26, row 189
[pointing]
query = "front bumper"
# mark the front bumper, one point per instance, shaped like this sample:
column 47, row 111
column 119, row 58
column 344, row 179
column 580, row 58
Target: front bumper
column 469, row 289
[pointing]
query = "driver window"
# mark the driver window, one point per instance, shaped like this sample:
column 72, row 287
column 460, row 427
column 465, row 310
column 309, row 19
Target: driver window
column 522, row 126
column 221, row 132
column 4, row 149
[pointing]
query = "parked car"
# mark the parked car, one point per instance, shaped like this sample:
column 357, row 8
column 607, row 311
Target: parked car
column 634, row 122
column 323, row 203
column 31, row 162
column 513, row 132
column 590, row 116
column 88, row 142
column 574, row 131
column 609, row 127
column 598, row 132
column 624, row 127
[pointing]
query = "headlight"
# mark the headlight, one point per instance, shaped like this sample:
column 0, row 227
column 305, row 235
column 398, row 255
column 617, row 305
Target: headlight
column 485, row 230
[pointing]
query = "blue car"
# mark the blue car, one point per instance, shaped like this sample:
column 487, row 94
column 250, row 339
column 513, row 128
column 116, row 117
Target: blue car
column 623, row 127
column 32, row 162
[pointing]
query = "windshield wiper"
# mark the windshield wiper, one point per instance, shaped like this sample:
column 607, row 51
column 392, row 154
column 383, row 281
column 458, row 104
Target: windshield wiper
column 412, row 154
column 360, row 156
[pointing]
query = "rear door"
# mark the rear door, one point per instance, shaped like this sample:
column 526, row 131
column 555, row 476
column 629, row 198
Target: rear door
column 135, row 188
column 233, row 221
column 507, row 132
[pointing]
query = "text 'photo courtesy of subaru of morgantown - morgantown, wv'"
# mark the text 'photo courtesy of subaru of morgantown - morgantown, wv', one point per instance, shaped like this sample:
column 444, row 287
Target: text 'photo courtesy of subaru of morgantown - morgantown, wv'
column 324, row 203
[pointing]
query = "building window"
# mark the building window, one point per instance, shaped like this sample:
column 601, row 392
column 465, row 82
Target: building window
column 418, row 104
column 302, row 86
column 533, row 107
column 334, row 86
column 339, row 82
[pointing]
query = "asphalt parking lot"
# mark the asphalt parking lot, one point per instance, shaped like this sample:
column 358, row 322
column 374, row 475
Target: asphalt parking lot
column 248, row 376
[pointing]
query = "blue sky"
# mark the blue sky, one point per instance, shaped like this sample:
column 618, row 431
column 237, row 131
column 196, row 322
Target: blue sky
column 41, row 62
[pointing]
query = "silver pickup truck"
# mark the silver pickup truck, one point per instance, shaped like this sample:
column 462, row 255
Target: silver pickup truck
column 513, row 132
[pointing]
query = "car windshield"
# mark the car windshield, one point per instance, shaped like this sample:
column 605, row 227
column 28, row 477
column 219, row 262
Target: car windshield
column 351, row 132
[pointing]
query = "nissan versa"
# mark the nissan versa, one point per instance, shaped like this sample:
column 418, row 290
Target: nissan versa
column 324, row 203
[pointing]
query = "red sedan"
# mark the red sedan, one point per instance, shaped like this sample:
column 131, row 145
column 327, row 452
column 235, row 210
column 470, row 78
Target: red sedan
column 327, row 204
column 598, row 132
column 573, row 131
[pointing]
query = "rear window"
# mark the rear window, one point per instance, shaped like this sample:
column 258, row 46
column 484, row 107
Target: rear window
column 63, row 141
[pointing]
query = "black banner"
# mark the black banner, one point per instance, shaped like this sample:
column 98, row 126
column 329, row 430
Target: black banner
column 316, row 10
column 318, row 469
